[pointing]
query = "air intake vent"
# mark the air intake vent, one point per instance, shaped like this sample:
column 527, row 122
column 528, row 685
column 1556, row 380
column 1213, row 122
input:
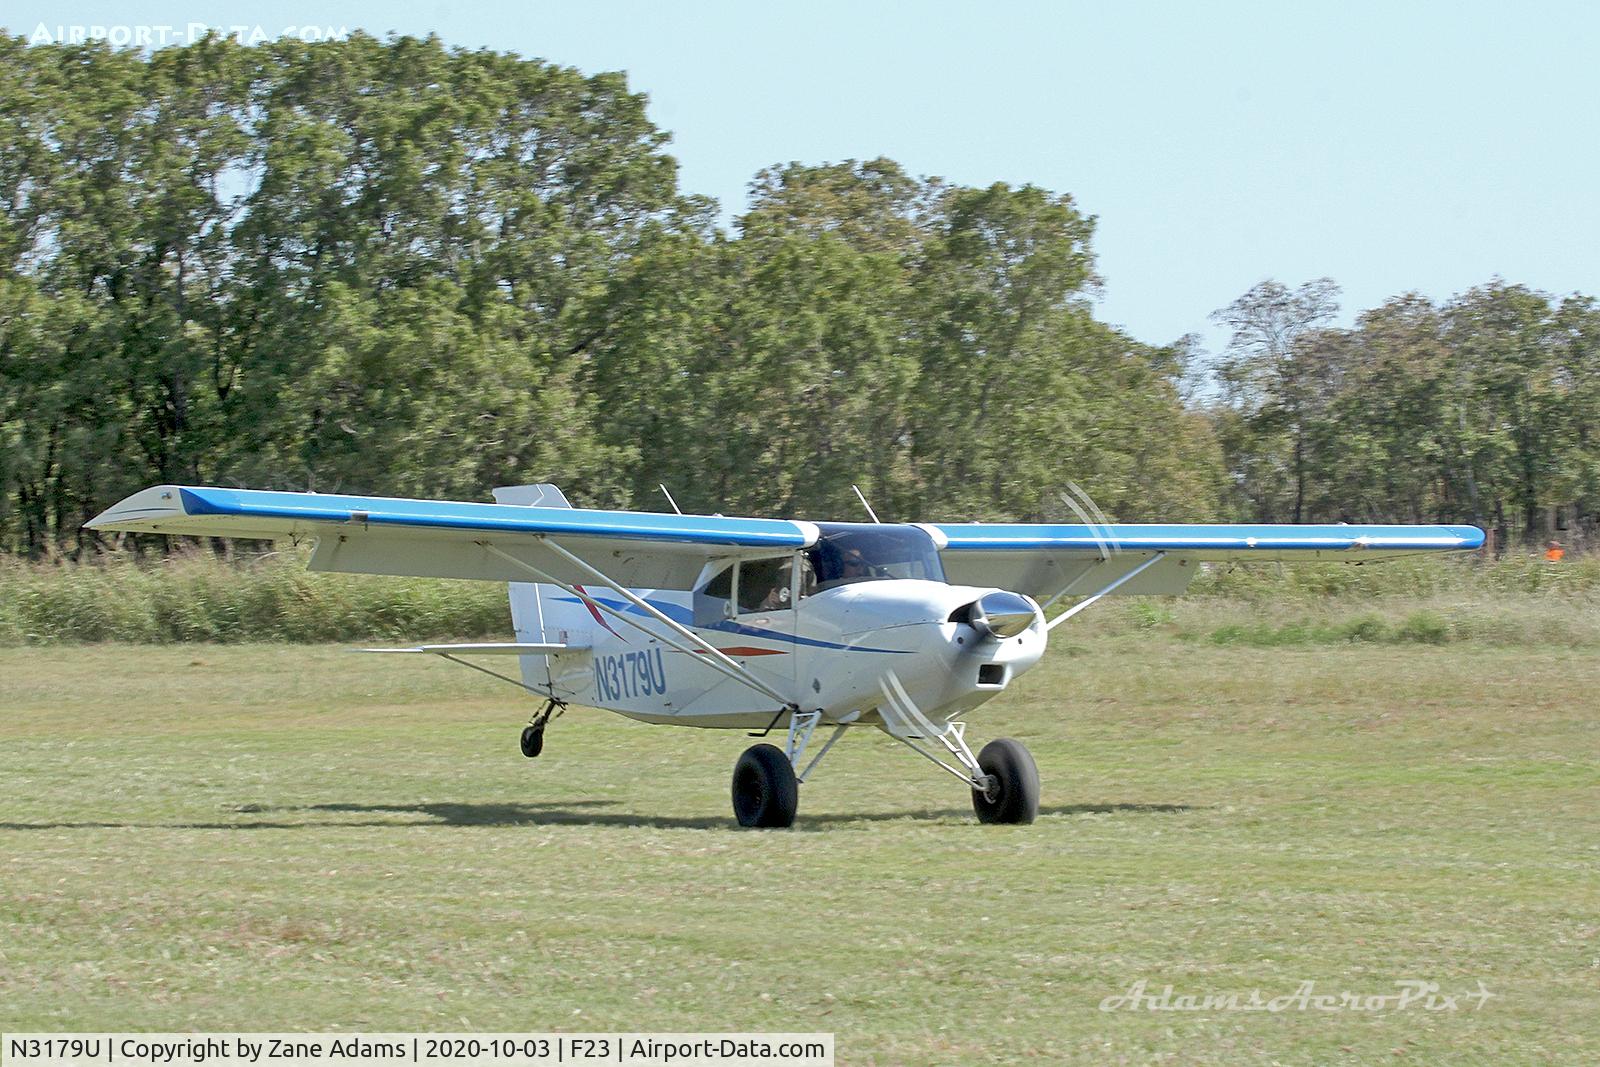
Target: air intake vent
column 992, row 674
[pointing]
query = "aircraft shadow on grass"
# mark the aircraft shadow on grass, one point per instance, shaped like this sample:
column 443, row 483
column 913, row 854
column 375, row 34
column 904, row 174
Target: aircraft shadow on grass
column 565, row 813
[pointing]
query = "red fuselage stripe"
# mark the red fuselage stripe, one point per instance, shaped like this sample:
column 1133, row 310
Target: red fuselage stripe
column 595, row 611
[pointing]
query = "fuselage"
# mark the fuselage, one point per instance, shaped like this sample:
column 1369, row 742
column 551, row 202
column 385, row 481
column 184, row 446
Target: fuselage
column 887, row 643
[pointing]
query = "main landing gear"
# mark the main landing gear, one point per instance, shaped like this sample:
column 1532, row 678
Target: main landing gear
column 766, row 791
column 766, row 788
column 1011, row 793
column 533, row 733
column 1003, row 777
column 766, row 779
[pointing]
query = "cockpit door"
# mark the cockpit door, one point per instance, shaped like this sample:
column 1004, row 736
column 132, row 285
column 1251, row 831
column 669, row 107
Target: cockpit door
column 747, row 609
column 763, row 627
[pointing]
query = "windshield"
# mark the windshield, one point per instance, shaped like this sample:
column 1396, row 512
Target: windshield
column 857, row 552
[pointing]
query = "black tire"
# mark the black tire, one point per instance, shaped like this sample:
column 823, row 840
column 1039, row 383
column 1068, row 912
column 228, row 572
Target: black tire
column 1016, row 789
column 532, row 741
column 765, row 793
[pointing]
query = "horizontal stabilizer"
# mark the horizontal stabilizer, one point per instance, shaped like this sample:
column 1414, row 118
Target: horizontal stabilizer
column 493, row 648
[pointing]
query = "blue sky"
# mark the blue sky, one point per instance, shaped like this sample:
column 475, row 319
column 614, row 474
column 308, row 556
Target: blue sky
column 1390, row 146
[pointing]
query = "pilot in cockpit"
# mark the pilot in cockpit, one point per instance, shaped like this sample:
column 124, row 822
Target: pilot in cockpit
column 853, row 566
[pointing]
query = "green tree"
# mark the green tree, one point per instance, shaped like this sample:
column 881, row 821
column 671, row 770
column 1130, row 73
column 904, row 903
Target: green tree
column 1510, row 398
column 1277, row 377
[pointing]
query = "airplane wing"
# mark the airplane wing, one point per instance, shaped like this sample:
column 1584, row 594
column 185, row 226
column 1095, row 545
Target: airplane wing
column 489, row 648
column 454, row 539
column 1045, row 559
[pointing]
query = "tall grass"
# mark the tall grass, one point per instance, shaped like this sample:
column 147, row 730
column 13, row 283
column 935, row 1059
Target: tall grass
column 1418, row 600
column 1415, row 600
column 1409, row 576
column 271, row 598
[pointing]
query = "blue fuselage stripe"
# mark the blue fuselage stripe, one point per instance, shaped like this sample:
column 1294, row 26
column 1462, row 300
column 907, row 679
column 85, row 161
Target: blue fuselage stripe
column 680, row 614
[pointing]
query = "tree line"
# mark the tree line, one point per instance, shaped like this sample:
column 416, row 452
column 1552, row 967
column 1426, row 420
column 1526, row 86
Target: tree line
column 396, row 268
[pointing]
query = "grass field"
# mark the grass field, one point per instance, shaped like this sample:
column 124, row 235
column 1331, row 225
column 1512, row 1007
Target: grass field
column 292, row 838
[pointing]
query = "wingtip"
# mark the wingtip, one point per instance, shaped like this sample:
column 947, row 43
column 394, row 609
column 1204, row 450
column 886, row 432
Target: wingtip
column 1471, row 536
column 135, row 513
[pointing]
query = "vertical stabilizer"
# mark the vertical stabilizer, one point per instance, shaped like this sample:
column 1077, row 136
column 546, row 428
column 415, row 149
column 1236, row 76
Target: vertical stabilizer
column 543, row 495
column 536, row 617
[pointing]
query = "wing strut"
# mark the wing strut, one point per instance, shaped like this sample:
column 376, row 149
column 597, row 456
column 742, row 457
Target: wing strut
column 1070, row 612
column 715, row 657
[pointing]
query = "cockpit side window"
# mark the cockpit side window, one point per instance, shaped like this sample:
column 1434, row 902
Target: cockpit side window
column 764, row 584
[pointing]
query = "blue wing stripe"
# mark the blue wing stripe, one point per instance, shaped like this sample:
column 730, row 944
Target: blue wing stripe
column 461, row 515
column 1209, row 537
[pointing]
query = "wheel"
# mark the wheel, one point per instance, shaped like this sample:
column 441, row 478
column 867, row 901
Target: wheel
column 765, row 792
column 1014, row 797
column 532, row 741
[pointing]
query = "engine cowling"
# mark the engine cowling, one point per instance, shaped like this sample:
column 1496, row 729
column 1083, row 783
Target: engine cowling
column 1001, row 614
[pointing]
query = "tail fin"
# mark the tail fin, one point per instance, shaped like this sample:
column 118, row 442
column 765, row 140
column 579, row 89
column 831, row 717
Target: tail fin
column 535, row 618
column 543, row 495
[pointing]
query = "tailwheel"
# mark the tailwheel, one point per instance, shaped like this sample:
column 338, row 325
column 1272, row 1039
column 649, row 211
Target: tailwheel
column 765, row 791
column 1011, row 792
column 533, row 734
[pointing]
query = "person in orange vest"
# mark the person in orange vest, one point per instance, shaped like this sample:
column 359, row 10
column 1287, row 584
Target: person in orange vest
column 1553, row 552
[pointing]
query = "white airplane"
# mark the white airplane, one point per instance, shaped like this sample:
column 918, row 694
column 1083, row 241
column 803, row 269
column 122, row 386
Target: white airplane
column 766, row 624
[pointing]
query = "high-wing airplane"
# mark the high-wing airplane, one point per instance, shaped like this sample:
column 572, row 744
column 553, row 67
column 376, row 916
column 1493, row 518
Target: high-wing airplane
column 766, row 624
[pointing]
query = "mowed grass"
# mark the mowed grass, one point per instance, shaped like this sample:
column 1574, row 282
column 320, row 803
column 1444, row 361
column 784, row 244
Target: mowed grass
column 287, row 838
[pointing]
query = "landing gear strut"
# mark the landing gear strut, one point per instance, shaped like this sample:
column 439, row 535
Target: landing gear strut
column 533, row 733
column 1003, row 777
column 766, row 780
